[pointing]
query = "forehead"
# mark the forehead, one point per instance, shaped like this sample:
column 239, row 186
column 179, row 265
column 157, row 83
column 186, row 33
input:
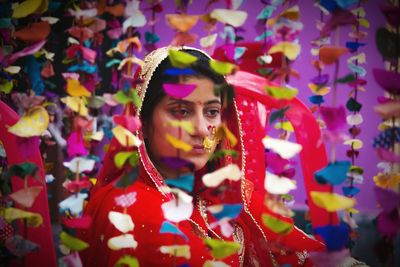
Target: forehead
column 204, row 89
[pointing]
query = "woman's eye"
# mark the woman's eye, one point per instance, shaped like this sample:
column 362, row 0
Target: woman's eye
column 180, row 112
column 212, row 113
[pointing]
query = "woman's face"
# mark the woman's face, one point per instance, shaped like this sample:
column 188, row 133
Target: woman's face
column 202, row 108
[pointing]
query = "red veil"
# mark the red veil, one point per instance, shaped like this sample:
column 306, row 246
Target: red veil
column 248, row 91
column 41, row 235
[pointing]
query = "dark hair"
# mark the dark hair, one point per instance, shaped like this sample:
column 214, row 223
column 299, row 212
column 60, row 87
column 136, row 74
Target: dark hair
column 155, row 91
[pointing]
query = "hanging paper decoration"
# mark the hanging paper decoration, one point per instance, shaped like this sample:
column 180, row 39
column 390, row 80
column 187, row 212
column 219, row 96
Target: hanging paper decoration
column 386, row 143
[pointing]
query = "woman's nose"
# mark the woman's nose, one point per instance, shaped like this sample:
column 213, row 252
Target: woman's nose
column 201, row 126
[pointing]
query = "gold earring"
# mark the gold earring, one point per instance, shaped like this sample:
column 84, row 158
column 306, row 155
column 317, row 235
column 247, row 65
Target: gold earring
column 209, row 143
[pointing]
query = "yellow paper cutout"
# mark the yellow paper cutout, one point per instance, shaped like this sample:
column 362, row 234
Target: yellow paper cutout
column 26, row 8
column 185, row 125
column 281, row 92
column 177, row 143
column 286, row 126
column 332, row 202
column 388, row 181
column 180, row 59
column 125, row 137
column 33, row 123
column 176, row 250
column 132, row 60
column 72, row 242
column 315, row 89
column 276, row 225
column 76, row 104
column 355, row 143
column 75, row 88
column 290, row 50
column 11, row 214
column 181, row 22
column 363, row 22
column 223, row 131
column 223, row 68
column 122, row 46
column 6, row 87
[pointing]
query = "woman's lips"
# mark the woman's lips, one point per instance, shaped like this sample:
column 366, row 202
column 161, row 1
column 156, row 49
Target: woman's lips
column 198, row 148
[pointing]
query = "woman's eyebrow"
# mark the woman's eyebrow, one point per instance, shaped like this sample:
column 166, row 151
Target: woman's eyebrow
column 174, row 101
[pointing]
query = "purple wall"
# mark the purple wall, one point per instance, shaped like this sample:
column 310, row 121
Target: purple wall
column 309, row 16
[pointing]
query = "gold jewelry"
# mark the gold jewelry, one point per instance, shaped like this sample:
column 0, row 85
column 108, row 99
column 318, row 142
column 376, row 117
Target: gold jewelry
column 210, row 142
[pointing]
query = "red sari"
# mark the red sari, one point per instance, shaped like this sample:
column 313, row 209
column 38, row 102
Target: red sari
column 147, row 216
column 260, row 246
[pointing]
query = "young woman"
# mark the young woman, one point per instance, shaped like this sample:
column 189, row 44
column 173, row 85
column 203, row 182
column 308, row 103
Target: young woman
column 206, row 110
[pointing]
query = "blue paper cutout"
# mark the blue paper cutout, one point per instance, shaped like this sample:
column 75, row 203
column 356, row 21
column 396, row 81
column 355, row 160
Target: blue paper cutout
column 353, row 46
column 335, row 236
column 266, row 12
column 151, row 38
column 350, row 191
column 184, row 182
column 316, row 99
column 335, row 173
column 169, row 228
column 85, row 67
column 33, row 69
column 178, row 71
column 231, row 211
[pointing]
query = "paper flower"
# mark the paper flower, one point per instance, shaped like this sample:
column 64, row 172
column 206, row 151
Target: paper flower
column 177, row 90
column 290, row 50
column 177, row 143
column 331, row 202
column 335, row 173
column 34, row 32
column 330, row 54
column 225, row 211
column 121, row 242
column 126, row 200
column 169, row 228
column 33, row 123
column 32, row 219
column 26, row 196
column 278, row 185
column 127, row 260
column 125, row 137
column 335, row 236
column 231, row 172
column 285, row 149
column 176, row 251
column 235, row 18
column 276, row 225
column 73, row 204
column 123, row 222
column 28, row 7
column 221, row 249
column 19, row 246
column 177, row 210
column 135, row 17
column 180, row 59
column 72, row 243
column 388, row 80
column 79, row 164
column 181, row 22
